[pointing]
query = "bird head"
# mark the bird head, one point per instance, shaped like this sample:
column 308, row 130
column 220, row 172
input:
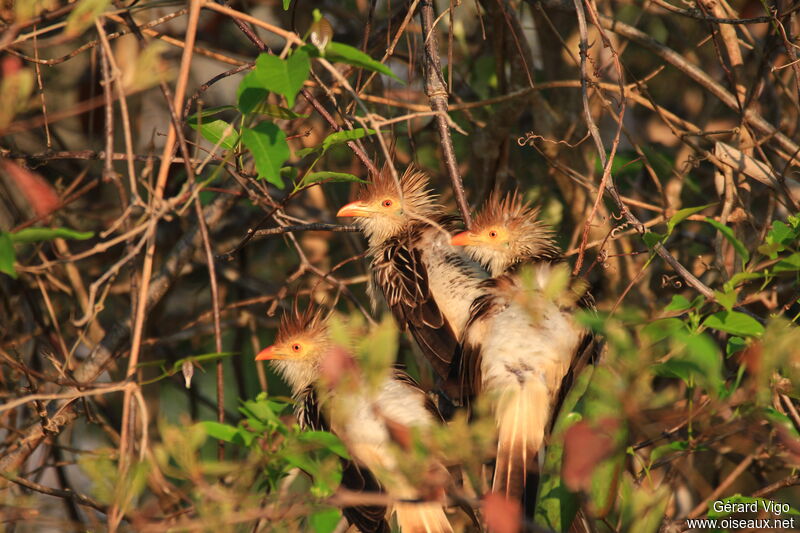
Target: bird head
column 505, row 232
column 383, row 209
column 302, row 342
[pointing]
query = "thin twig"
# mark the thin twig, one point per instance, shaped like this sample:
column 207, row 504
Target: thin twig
column 437, row 96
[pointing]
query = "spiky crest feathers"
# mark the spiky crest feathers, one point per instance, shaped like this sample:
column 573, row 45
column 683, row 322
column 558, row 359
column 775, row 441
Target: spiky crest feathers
column 526, row 236
column 311, row 322
column 413, row 191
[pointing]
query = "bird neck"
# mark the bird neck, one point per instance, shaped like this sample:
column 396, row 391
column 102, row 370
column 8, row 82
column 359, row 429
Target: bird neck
column 298, row 374
column 380, row 230
column 492, row 259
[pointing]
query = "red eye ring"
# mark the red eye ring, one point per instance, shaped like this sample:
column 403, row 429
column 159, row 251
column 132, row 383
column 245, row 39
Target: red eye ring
column 493, row 234
column 386, row 203
column 295, row 347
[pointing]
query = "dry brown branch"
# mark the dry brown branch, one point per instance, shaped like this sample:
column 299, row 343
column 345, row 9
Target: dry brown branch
column 437, row 94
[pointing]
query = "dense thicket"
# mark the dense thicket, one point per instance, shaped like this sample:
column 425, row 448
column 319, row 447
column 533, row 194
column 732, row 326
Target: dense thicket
column 169, row 178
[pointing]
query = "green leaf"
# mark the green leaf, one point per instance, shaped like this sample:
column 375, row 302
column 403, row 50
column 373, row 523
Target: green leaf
column 678, row 303
column 779, row 237
column 328, row 177
column 641, row 507
column 677, row 368
column 667, row 449
column 219, row 431
column 726, row 299
column 781, row 233
column 682, row 215
column 325, row 440
column 776, row 418
column 264, row 410
column 282, row 76
column 268, row 144
column 701, row 350
column 651, row 238
column 728, row 234
column 324, row 521
column 343, row 53
column 341, row 137
column 378, row 350
column 338, row 137
column 250, row 95
column 788, row 264
column 302, row 152
column 735, row 344
column 697, row 360
column 303, row 461
column 7, row 255
column 286, row 4
column 661, row 329
column 48, row 234
column 218, row 132
column 208, row 112
column 736, row 323
column 740, row 277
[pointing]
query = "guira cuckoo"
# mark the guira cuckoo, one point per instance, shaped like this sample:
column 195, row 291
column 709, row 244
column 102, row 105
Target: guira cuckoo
column 521, row 337
column 362, row 417
column 428, row 284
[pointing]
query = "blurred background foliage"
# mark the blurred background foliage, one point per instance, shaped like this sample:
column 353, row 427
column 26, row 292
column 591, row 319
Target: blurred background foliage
column 695, row 397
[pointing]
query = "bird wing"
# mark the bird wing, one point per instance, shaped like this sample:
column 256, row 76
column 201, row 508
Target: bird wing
column 481, row 310
column 401, row 274
column 367, row 518
column 401, row 376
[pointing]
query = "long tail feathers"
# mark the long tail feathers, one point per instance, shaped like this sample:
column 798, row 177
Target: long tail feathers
column 425, row 517
column 522, row 415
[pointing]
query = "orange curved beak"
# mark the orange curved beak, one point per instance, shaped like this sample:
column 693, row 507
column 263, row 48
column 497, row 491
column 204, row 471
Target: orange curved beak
column 267, row 354
column 354, row 209
column 462, row 239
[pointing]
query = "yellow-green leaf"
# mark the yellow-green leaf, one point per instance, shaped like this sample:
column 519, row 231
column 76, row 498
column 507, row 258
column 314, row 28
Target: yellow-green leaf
column 83, row 16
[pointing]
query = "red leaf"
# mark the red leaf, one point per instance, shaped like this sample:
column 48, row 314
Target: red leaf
column 584, row 447
column 336, row 365
column 10, row 65
column 501, row 515
column 37, row 191
column 400, row 433
column 751, row 357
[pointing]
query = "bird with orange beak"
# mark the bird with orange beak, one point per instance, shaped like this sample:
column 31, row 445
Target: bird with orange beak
column 507, row 233
column 521, row 339
column 362, row 417
column 427, row 283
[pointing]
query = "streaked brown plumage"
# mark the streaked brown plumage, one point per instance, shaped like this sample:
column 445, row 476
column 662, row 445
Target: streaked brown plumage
column 520, row 340
column 361, row 418
column 427, row 283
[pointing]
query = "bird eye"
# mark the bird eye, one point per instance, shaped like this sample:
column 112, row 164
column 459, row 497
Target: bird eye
column 295, row 347
column 493, row 234
column 386, row 203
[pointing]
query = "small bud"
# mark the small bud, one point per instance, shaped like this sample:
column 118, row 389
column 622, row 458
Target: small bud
column 321, row 33
column 188, row 371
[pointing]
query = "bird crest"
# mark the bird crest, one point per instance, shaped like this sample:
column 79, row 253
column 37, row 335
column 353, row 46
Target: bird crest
column 416, row 196
column 310, row 322
column 508, row 231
